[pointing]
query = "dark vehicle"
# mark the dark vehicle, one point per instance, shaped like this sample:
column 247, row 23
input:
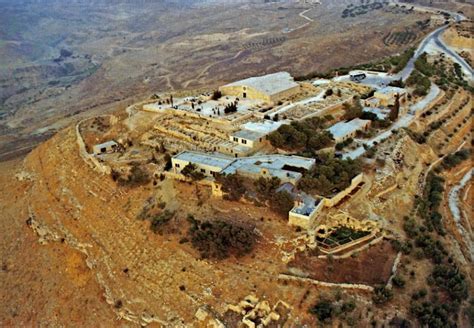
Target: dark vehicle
column 357, row 77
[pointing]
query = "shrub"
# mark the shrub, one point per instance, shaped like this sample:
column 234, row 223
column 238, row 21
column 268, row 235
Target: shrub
column 323, row 310
column 398, row 282
column 219, row 239
column 282, row 202
column 160, row 220
column 382, row 295
column 138, row 177
column 232, row 186
column 329, row 174
column 191, row 171
column 216, row 95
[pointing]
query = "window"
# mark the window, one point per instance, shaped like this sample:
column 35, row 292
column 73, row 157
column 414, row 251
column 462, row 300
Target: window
column 176, row 165
column 244, row 141
column 103, row 150
column 203, row 171
column 236, row 139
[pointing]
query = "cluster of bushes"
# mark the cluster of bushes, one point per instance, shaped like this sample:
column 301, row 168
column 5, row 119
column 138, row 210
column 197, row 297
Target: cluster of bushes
column 399, row 62
column 421, row 83
column 428, row 205
column 329, row 175
column 191, row 171
column 382, row 294
column 445, row 277
column 447, row 75
column 232, row 186
column 343, row 235
column 352, row 111
column 220, row 239
column 453, row 160
column 436, row 312
column 158, row 221
column 353, row 11
column 326, row 309
column 422, row 65
column 230, row 108
column 419, row 138
column 345, row 143
column 138, row 176
column 216, row 95
column 307, row 135
column 281, row 202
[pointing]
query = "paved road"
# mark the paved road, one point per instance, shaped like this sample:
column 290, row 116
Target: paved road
column 454, row 55
column 402, row 122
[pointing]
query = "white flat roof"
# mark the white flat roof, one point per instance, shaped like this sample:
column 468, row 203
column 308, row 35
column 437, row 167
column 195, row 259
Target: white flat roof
column 270, row 162
column 215, row 160
column 248, row 135
column 264, row 127
column 391, row 90
column 275, row 164
column 343, row 129
column 270, row 84
column 106, row 144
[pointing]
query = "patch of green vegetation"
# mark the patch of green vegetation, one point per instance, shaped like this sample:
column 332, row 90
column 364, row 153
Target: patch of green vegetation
column 232, row 186
column 158, row 221
column 353, row 11
column 190, row 171
column 325, row 309
column 329, row 175
column 420, row 82
column 280, row 202
column 220, row 239
column 138, row 176
column 382, row 295
column 455, row 159
column 308, row 135
column 343, row 235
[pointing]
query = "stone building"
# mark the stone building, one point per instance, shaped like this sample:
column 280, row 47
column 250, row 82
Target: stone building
column 270, row 88
column 105, row 148
column 344, row 130
column 386, row 97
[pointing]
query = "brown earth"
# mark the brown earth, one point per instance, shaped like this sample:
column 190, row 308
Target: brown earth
column 379, row 258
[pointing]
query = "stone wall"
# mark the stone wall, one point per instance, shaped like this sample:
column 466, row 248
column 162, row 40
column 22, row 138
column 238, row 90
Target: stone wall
column 88, row 158
column 333, row 201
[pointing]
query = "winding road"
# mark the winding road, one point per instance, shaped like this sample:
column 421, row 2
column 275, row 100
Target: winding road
column 454, row 199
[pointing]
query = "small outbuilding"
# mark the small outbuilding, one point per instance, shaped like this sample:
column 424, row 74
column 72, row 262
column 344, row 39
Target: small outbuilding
column 248, row 138
column 105, row 148
column 344, row 130
column 386, row 97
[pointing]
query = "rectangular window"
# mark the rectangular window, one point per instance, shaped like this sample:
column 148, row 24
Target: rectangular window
column 203, row 171
column 176, row 165
column 244, row 141
column 236, row 139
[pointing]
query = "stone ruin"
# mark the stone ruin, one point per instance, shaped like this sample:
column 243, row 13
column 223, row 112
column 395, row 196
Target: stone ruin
column 256, row 313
